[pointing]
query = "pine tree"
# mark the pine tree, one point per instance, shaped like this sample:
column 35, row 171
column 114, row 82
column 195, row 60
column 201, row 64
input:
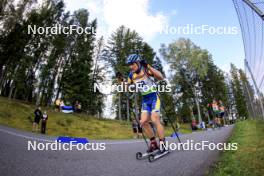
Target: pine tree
column 238, row 93
column 121, row 44
column 77, row 78
column 248, row 91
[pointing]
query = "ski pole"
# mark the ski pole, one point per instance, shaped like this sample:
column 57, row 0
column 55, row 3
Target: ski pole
column 138, row 122
column 119, row 75
column 170, row 121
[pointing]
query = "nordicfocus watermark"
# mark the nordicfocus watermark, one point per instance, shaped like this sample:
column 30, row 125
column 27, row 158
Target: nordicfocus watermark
column 191, row 29
column 54, row 146
column 203, row 145
column 60, row 29
column 138, row 87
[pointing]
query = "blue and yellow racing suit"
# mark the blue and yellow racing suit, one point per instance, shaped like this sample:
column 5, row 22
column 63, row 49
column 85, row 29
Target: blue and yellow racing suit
column 148, row 90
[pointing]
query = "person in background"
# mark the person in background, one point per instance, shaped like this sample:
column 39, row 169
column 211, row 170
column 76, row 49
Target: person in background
column 193, row 125
column 140, row 135
column 44, row 122
column 207, row 116
column 78, row 107
column 139, row 128
column 57, row 105
column 202, row 125
column 135, row 128
column 61, row 105
column 216, row 113
column 38, row 115
column 221, row 113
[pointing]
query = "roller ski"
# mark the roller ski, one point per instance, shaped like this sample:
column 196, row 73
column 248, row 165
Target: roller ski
column 153, row 153
column 161, row 152
column 141, row 156
column 152, row 156
column 153, row 149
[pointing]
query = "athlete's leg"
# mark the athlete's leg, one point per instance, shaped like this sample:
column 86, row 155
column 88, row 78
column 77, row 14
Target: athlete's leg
column 218, row 119
column 155, row 118
column 148, row 131
column 145, row 125
column 145, row 118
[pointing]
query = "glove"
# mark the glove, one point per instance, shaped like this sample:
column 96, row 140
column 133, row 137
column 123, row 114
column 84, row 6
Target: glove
column 163, row 82
column 119, row 76
column 144, row 63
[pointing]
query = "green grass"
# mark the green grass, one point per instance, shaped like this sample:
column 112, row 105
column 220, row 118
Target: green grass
column 20, row 115
column 249, row 158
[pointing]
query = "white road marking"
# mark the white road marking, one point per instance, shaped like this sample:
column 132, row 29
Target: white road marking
column 23, row 136
column 46, row 140
column 123, row 142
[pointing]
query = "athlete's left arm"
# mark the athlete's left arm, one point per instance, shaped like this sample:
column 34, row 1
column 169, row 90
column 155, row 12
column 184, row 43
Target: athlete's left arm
column 155, row 73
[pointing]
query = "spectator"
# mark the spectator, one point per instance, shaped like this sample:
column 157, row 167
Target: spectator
column 206, row 114
column 193, row 125
column 221, row 113
column 210, row 111
column 44, row 122
column 57, row 105
column 216, row 113
column 202, row 125
column 61, row 105
column 139, row 131
column 38, row 115
column 78, row 107
column 135, row 128
column 139, row 128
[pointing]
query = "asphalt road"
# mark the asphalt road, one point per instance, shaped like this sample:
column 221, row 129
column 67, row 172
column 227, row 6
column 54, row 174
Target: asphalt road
column 118, row 158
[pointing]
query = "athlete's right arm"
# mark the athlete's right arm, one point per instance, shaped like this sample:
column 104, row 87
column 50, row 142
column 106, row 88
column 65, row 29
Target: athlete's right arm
column 122, row 81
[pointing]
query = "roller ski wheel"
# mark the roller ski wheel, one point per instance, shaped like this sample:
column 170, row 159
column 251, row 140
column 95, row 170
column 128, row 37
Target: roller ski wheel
column 154, row 157
column 151, row 158
column 140, row 156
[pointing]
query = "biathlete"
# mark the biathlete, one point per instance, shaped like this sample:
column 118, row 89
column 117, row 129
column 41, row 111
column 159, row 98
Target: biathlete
column 216, row 112
column 221, row 113
column 140, row 73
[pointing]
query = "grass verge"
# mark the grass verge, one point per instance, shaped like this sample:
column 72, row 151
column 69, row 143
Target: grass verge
column 249, row 158
column 20, row 115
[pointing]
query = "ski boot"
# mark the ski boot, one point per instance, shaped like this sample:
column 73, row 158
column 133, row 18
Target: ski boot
column 153, row 146
column 162, row 145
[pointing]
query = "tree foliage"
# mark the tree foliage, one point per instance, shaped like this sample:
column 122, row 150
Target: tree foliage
column 39, row 67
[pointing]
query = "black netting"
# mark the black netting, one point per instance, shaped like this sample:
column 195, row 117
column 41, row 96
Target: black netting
column 252, row 27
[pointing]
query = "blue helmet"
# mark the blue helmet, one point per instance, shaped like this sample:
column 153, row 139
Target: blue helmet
column 132, row 58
